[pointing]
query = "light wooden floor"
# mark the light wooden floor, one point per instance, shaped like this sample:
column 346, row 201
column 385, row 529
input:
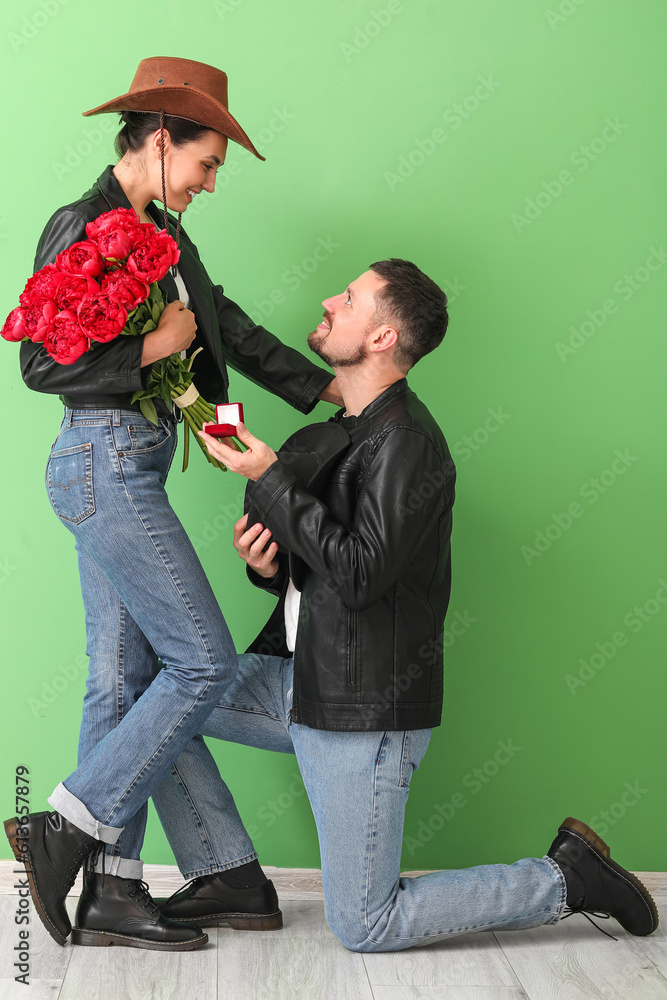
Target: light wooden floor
column 304, row 961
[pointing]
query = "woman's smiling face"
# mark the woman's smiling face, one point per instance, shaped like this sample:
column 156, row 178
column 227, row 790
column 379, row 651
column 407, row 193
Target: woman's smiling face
column 191, row 168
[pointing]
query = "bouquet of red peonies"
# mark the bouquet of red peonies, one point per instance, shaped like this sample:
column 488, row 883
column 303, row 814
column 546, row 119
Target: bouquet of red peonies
column 104, row 287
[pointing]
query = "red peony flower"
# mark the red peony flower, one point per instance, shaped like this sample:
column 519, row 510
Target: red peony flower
column 123, row 287
column 125, row 219
column 151, row 260
column 14, row 328
column 114, row 243
column 41, row 286
column 70, row 291
column 117, row 218
column 38, row 316
column 81, row 258
column 100, row 317
column 64, row 339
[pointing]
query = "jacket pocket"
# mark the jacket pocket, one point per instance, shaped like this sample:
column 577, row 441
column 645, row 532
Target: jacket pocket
column 69, row 481
column 352, row 646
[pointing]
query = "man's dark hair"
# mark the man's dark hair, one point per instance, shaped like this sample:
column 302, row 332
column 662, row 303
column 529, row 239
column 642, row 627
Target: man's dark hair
column 415, row 305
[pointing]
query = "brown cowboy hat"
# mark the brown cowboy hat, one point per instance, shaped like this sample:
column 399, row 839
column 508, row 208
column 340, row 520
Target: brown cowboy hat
column 184, row 88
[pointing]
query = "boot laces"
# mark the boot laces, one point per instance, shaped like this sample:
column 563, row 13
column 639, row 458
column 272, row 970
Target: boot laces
column 192, row 881
column 571, row 910
column 82, row 852
column 141, row 894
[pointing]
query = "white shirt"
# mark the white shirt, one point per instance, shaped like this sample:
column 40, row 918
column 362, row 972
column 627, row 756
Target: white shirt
column 292, row 602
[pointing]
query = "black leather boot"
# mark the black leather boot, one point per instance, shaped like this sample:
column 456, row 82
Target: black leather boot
column 115, row 910
column 52, row 850
column 209, row 901
column 596, row 884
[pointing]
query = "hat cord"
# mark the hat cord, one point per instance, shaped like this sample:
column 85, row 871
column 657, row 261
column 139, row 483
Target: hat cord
column 164, row 191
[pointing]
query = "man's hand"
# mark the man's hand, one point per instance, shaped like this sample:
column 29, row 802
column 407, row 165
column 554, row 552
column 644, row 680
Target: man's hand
column 251, row 463
column 331, row 394
column 249, row 545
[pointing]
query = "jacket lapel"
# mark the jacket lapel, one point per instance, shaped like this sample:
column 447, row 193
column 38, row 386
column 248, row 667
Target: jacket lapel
column 190, row 267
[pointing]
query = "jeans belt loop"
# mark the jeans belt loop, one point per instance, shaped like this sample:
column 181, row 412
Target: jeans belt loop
column 116, row 418
column 68, row 416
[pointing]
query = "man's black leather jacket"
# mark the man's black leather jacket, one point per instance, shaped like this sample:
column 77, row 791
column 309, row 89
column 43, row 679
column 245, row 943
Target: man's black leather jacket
column 371, row 554
column 108, row 375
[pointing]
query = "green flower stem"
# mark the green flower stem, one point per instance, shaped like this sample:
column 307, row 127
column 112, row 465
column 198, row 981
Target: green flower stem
column 194, row 427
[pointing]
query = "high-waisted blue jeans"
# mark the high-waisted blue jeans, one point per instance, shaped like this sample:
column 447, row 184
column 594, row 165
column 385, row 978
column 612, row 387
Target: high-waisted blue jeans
column 146, row 597
column 358, row 786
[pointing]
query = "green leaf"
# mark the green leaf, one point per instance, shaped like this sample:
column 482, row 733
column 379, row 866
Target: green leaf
column 148, row 326
column 148, row 410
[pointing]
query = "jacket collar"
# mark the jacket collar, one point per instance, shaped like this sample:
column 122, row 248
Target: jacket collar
column 189, row 266
column 396, row 389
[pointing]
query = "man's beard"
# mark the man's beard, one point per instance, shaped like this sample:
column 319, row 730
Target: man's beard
column 349, row 361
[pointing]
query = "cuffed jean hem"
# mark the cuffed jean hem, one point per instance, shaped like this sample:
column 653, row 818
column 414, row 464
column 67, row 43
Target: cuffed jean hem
column 560, row 878
column 77, row 813
column 121, row 867
column 214, row 869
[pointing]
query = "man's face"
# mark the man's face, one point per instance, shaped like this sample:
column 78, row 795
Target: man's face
column 349, row 319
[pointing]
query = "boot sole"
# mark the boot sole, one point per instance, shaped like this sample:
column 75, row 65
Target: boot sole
column 24, row 858
column 104, row 939
column 238, row 921
column 584, row 831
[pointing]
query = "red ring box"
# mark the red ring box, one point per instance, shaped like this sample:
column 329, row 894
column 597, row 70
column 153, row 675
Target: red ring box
column 228, row 416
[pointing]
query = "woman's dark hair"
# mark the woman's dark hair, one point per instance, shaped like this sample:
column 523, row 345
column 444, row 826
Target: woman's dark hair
column 139, row 125
column 415, row 305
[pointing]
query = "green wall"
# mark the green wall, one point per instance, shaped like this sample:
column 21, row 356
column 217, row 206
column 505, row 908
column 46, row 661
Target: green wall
column 514, row 151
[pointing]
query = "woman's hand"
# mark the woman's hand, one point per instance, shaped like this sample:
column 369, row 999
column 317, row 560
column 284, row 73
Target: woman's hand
column 175, row 332
column 249, row 545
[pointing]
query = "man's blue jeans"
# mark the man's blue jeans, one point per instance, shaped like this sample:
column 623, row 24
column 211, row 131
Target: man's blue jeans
column 145, row 596
column 358, row 787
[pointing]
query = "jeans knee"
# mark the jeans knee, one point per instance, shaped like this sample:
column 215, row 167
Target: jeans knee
column 350, row 929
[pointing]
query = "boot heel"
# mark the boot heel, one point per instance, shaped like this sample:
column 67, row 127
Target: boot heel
column 589, row 835
column 93, row 939
column 270, row 922
column 12, row 832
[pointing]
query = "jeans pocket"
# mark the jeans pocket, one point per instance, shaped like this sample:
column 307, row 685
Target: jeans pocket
column 69, row 480
column 141, row 437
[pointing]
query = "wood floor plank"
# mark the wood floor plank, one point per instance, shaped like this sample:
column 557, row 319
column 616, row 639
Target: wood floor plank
column 468, row 960
column 448, row 993
column 572, row 959
column 259, row 967
column 138, row 974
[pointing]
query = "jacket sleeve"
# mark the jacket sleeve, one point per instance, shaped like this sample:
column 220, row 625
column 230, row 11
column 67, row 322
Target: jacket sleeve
column 406, row 488
column 114, row 367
